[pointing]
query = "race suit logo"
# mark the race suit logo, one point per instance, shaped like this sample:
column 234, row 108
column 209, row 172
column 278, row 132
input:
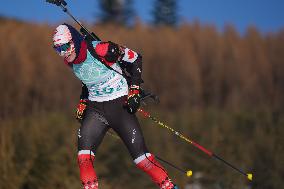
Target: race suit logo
column 130, row 55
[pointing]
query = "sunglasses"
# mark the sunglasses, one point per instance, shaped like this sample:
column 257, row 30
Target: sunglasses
column 63, row 47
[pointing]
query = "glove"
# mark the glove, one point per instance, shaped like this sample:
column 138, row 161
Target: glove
column 133, row 99
column 80, row 111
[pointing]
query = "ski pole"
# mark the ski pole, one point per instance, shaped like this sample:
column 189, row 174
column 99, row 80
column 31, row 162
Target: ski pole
column 211, row 154
column 188, row 173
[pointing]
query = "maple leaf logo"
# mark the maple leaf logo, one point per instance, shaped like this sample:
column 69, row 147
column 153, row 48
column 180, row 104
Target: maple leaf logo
column 130, row 54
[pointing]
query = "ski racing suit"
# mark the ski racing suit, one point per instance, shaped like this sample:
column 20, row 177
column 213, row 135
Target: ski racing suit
column 106, row 91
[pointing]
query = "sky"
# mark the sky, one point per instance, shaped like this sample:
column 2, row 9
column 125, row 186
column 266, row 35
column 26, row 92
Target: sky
column 266, row 15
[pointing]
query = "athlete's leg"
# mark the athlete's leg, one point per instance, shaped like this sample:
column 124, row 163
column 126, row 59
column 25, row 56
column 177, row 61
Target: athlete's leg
column 127, row 127
column 149, row 164
column 90, row 135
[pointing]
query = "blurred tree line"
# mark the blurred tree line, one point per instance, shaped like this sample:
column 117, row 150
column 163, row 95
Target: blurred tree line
column 223, row 90
column 121, row 12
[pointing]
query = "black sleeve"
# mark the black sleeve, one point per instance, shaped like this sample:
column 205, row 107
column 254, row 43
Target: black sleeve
column 85, row 92
column 135, row 70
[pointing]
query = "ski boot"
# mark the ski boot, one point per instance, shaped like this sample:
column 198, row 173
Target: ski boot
column 90, row 185
column 167, row 184
column 175, row 187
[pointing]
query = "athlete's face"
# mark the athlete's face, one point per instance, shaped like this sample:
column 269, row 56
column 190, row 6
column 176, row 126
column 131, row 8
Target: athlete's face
column 67, row 51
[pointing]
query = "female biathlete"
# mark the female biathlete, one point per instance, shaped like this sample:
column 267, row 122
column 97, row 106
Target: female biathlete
column 107, row 101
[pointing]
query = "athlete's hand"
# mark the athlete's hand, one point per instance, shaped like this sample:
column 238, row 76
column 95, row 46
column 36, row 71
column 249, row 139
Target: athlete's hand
column 80, row 111
column 133, row 99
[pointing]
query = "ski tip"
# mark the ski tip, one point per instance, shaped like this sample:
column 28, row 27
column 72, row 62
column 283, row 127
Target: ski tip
column 249, row 175
column 189, row 173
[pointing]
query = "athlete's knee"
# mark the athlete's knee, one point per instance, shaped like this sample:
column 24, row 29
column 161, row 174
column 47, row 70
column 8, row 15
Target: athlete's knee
column 87, row 172
column 85, row 143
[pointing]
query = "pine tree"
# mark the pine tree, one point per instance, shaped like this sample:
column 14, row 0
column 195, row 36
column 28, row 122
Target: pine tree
column 116, row 11
column 165, row 12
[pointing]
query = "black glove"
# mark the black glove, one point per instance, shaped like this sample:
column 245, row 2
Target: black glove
column 133, row 99
column 80, row 111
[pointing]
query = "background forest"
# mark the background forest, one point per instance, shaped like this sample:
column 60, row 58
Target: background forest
column 222, row 89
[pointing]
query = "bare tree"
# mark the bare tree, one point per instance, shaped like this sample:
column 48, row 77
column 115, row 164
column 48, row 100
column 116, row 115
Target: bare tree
column 116, row 11
column 165, row 12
